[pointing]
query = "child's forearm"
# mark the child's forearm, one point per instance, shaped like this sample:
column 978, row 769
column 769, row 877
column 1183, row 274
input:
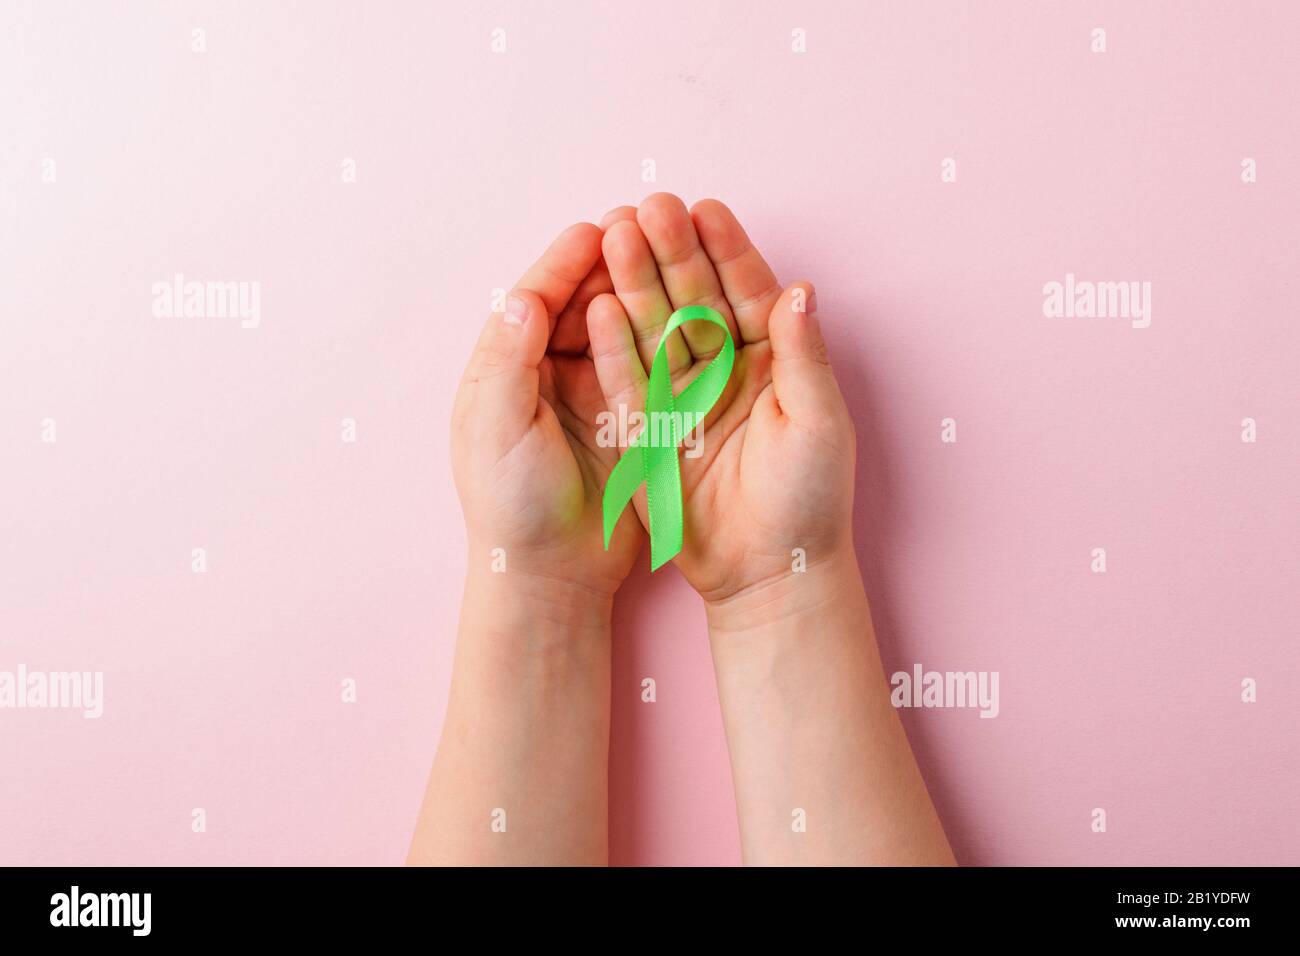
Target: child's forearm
column 823, row 770
column 521, row 774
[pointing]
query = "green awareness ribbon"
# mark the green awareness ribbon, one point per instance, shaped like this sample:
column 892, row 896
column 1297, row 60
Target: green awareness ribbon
column 651, row 457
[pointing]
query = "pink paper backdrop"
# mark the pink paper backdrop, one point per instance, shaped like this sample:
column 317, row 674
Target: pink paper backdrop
column 330, row 560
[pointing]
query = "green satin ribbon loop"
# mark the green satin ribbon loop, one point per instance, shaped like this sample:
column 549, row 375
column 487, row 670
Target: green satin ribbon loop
column 651, row 457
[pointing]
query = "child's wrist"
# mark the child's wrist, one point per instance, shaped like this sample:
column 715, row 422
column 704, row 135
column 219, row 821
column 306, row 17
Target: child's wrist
column 529, row 598
column 797, row 599
column 530, row 653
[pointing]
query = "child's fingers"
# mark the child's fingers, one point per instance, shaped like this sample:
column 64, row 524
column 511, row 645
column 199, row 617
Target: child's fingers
column 636, row 280
column 686, row 269
column 802, row 378
column 504, row 367
column 570, row 334
column 618, row 367
column 613, row 350
column 748, row 281
column 617, row 214
column 556, row 275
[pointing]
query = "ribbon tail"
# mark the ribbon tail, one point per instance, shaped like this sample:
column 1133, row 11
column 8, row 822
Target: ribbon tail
column 619, row 489
column 663, row 490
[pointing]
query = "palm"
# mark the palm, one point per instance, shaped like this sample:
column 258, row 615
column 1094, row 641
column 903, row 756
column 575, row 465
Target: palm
column 527, row 464
column 731, row 484
column 572, row 470
column 759, row 477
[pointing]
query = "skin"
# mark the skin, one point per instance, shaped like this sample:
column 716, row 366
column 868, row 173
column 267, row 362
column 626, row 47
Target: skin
column 810, row 729
column 527, row 727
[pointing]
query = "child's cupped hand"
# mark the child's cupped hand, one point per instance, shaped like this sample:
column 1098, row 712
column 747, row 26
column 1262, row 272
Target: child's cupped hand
column 775, row 472
column 527, row 465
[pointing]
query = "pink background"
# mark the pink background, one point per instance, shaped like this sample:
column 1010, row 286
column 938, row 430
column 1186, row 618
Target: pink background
column 330, row 560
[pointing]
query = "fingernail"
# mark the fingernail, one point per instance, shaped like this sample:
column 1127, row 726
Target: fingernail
column 516, row 310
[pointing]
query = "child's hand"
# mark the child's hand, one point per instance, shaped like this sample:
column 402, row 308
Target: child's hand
column 526, row 737
column 524, row 453
column 527, row 726
column 776, row 469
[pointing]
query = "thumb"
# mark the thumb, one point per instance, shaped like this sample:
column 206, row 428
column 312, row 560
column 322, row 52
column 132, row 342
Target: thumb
column 802, row 378
column 504, row 366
